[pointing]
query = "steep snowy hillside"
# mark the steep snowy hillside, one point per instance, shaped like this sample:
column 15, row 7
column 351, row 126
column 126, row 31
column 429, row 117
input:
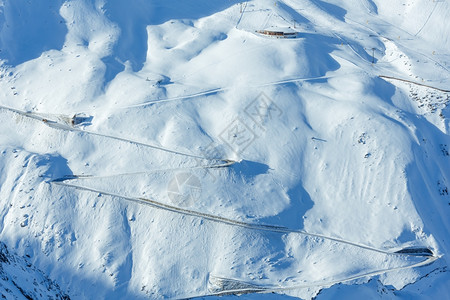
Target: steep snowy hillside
column 20, row 280
column 183, row 149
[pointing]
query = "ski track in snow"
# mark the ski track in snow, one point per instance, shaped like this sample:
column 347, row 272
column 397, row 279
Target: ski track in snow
column 428, row 19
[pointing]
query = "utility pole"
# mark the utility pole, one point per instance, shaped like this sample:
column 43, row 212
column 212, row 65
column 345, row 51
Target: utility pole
column 373, row 55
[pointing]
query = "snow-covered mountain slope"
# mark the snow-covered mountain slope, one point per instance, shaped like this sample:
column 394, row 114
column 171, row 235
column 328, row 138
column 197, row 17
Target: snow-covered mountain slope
column 20, row 280
column 167, row 149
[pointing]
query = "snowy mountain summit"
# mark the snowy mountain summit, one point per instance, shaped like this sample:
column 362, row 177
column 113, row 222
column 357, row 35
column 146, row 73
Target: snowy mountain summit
column 203, row 149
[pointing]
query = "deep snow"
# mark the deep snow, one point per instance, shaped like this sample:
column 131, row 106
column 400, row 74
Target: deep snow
column 184, row 104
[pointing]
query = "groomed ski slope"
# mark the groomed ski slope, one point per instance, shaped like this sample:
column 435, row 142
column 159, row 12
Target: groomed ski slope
column 220, row 161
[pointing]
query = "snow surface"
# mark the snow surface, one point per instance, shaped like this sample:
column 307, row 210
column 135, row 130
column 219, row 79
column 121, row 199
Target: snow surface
column 20, row 280
column 225, row 129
